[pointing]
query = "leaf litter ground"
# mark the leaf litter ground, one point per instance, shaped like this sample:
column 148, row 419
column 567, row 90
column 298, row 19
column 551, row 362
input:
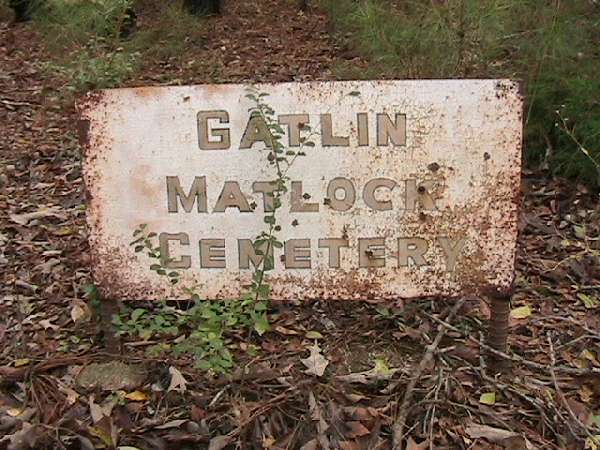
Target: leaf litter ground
column 329, row 375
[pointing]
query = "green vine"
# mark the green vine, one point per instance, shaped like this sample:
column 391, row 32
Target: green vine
column 204, row 331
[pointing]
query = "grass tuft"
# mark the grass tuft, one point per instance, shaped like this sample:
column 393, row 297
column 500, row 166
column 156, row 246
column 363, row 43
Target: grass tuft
column 90, row 50
column 552, row 45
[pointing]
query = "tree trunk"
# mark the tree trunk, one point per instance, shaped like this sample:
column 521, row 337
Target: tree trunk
column 22, row 9
column 303, row 5
column 201, row 7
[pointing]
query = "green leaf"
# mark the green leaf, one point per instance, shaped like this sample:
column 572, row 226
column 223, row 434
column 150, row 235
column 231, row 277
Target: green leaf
column 203, row 364
column 488, row 398
column 264, row 291
column 381, row 367
column 385, row 312
column 588, row 302
column 261, row 326
column 146, row 334
column 579, row 231
column 137, row 313
column 521, row 312
column 261, row 306
column 313, row 335
column 90, row 291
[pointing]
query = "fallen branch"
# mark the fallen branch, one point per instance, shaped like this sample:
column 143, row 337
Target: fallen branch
column 561, row 395
column 518, row 359
column 399, row 424
column 23, row 373
column 11, row 103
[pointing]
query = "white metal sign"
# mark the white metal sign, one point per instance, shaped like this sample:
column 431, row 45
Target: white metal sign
column 411, row 188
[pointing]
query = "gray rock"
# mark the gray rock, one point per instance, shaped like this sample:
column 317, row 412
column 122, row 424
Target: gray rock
column 111, row 376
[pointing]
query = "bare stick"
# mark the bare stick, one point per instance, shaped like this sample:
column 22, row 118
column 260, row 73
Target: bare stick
column 518, row 359
column 398, row 427
column 561, row 396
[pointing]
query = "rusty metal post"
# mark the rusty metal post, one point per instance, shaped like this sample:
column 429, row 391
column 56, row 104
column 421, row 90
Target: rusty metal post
column 112, row 341
column 497, row 337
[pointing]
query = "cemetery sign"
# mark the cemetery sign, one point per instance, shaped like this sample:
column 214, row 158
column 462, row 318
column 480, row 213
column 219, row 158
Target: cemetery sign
column 411, row 188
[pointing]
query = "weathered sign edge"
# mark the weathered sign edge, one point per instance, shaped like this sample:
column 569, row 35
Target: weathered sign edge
column 91, row 99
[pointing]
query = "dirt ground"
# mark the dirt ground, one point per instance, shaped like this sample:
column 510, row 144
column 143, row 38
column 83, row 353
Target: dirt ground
column 550, row 399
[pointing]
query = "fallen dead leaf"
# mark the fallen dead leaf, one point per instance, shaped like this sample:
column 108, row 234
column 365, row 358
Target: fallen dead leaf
column 72, row 395
column 137, row 396
column 171, row 424
column 219, row 442
column 356, row 429
column 24, row 219
column 508, row 439
column 316, row 363
column 96, row 410
column 521, row 312
column 310, row 445
column 412, row 445
column 178, row 382
column 48, row 325
column 80, row 312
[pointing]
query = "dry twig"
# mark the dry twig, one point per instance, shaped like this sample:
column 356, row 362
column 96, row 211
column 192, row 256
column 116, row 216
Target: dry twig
column 518, row 359
column 561, row 395
column 398, row 427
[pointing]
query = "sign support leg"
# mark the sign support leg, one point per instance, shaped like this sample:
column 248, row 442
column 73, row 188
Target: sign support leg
column 497, row 337
column 112, row 341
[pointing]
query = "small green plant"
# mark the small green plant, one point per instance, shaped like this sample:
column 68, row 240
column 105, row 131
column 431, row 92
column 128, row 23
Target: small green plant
column 90, row 292
column 85, row 38
column 82, row 23
column 162, row 321
column 572, row 165
column 169, row 33
column 205, row 330
column 96, row 44
column 144, row 241
column 95, row 70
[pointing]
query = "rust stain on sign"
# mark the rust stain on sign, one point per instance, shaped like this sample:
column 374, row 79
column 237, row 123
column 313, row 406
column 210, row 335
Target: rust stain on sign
column 411, row 189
